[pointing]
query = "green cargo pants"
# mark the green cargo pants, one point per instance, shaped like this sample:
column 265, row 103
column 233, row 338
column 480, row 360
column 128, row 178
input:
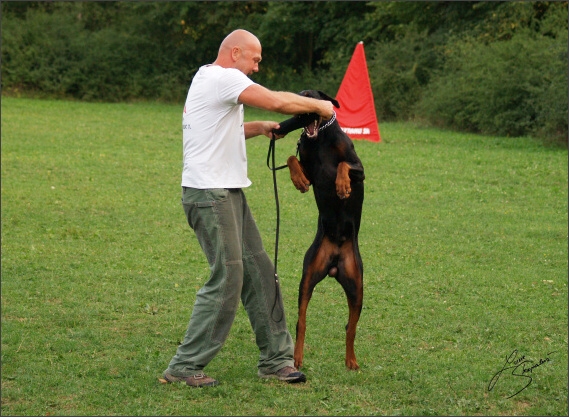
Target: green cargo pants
column 240, row 269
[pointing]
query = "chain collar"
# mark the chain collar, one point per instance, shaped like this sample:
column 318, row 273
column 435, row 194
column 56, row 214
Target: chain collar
column 328, row 123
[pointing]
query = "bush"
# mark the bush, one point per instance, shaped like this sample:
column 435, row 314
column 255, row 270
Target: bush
column 39, row 54
column 492, row 67
column 551, row 99
column 52, row 54
column 513, row 88
column 399, row 70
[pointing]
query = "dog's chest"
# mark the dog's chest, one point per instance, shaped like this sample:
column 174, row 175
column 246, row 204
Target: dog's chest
column 319, row 160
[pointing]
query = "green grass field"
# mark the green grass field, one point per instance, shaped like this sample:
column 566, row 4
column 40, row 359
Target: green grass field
column 463, row 239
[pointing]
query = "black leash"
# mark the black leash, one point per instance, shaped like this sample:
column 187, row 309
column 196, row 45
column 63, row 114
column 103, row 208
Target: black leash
column 271, row 156
column 286, row 126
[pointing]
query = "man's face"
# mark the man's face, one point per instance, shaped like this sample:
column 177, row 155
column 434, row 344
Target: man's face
column 248, row 60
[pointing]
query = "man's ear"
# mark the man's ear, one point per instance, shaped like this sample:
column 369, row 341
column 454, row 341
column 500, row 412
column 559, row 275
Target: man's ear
column 235, row 53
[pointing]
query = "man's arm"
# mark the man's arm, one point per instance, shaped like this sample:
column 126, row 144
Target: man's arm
column 284, row 102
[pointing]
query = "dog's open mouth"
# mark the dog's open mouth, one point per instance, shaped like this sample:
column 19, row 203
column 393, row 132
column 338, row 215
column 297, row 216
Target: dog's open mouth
column 309, row 122
column 311, row 130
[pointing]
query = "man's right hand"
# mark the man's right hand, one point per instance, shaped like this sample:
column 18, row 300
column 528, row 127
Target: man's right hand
column 327, row 110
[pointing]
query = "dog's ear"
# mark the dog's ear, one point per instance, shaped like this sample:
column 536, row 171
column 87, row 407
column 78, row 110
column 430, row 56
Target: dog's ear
column 325, row 96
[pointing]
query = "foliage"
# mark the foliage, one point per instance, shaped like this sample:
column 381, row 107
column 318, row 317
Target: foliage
column 38, row 55
column 493, row 67
column 401, row 69
column 505, row 88
column 121, row 51
column 463, row 239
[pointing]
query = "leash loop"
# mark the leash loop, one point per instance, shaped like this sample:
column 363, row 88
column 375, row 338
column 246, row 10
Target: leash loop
column 271, row 156
column 274, row 169
column 272, row 153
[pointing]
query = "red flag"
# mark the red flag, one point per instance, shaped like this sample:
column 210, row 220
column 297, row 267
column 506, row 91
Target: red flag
column 356, row 114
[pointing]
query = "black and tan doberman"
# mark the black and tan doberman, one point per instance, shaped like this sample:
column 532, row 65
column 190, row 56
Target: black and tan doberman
column 329, row 163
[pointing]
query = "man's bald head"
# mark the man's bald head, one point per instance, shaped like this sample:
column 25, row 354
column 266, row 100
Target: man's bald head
column 240, row 38
column 241, row 50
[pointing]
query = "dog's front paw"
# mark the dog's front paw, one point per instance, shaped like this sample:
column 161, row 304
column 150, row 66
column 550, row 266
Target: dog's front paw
column 343, row 183
column 297, row 175
column 343, row 189
column 300, row 181
column 302, row 185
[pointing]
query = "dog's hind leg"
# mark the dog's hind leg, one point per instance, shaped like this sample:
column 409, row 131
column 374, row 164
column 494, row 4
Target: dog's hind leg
column 350, row 276
column 316, row 266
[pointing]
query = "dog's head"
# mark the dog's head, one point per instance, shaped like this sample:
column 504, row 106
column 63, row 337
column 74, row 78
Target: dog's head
column 319, row 95
column 311, row 128
column 309, row 122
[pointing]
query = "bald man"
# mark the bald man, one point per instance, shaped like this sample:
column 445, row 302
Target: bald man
column 213, row 176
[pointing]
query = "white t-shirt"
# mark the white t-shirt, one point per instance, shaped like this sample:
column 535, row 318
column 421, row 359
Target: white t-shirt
column 214, row 138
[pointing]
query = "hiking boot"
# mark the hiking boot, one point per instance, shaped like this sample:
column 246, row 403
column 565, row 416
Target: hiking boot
column 288, row 374
column 198, row 380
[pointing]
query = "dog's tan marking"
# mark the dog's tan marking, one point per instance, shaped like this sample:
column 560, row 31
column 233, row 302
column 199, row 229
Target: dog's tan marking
column 297, row 174
column 343, row 182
